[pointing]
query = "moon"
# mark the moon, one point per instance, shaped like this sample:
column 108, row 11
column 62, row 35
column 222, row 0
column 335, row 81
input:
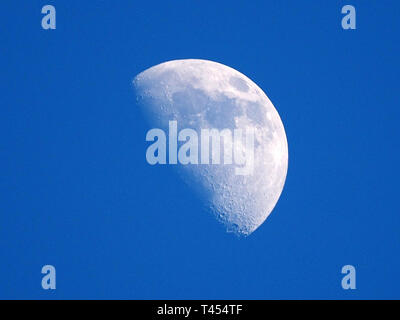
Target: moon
column 202, row 94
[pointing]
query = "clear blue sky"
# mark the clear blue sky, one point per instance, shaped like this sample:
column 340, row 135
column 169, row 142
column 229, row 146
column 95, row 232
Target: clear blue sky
column 76, row 191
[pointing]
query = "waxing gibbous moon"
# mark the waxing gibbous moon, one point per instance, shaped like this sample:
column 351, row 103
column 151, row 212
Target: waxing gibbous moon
column 202, row 94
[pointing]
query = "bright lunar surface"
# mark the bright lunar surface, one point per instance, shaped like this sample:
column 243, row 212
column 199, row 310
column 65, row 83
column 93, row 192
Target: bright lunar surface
column 201, row 94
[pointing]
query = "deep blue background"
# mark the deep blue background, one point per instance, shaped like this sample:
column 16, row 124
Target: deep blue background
column 77, row 193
